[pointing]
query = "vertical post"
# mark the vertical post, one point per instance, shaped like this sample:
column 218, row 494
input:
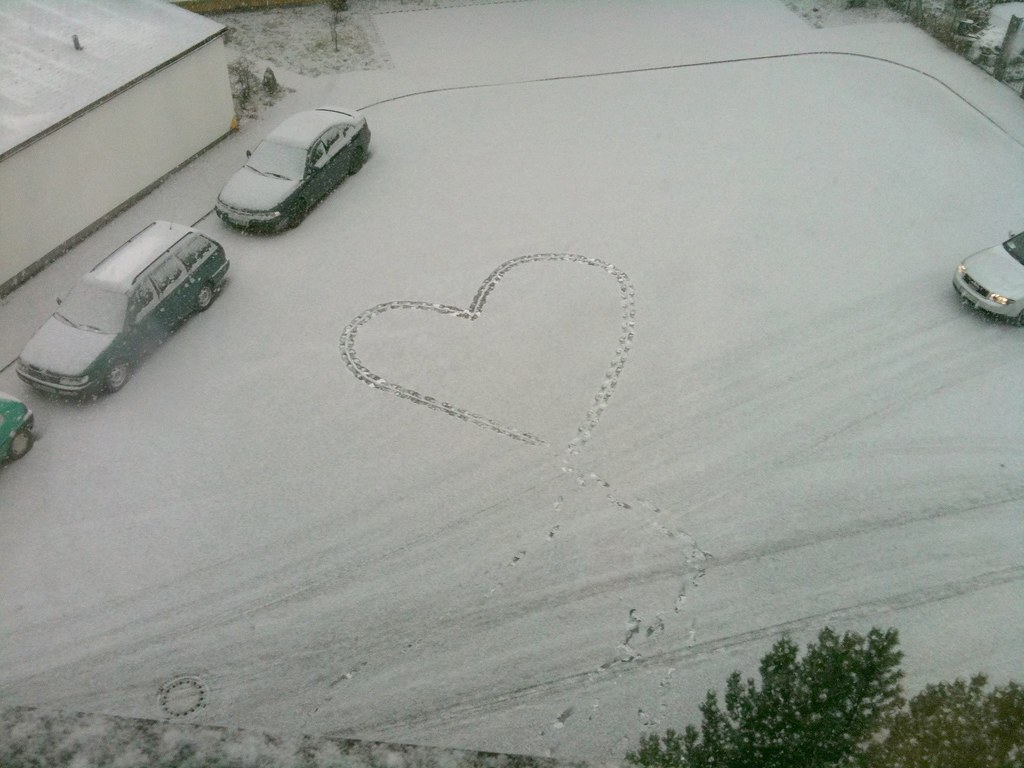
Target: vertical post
column 918, row 13
column 959, row 27
column 999, row 71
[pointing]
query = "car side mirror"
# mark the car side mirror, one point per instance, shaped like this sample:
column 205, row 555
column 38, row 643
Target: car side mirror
column 248, row 154
column 59, row 300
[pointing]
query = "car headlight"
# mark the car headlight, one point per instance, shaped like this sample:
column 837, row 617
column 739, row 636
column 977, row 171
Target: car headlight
column 961, row 269
column 1000, row 299
column 262, row 215
column 73, row 381
column 229, row 211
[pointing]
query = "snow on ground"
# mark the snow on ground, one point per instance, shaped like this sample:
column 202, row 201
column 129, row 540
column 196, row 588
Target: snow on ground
column 743, row 296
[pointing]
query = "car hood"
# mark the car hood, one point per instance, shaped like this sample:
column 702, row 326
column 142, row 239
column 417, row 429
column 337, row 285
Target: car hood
column 13, row 413
column 998, row 271
column 11, row 404
column 249, row 190
column 61, row 348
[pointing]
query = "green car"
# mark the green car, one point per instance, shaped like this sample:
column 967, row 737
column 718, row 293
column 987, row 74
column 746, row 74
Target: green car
column 16, row 422
column 122, row 309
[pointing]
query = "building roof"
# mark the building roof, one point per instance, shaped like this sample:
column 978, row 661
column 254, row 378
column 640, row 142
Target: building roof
column 45, row 81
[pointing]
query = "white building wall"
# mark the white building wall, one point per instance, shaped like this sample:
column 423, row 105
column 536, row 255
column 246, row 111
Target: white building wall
column 60, row 185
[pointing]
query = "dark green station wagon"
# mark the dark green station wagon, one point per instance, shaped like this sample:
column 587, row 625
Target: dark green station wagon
column 122, row 309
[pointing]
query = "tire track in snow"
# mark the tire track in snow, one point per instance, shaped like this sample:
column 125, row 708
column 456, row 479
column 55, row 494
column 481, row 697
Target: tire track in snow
column 788, row 402
column 859, row 528
column 714, row 62
column 531, row 604
column 513, row 610
column 392, row 636
column 488, row 702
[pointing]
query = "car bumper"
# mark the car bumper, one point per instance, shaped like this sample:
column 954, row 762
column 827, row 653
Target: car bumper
column 48, row 385
column 250, row 222
column 982, row 302
column 220, row 275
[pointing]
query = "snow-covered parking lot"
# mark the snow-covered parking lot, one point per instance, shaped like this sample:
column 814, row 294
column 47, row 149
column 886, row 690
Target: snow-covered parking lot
column 742, row 294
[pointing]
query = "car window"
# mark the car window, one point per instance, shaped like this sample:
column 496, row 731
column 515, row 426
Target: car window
column 330, row 138
column 1015, row 247
column 281, row 160
column 142, row 299
column 94, row 307
column 193, row 249
column 167, row 273
column 186, row 250
column 318, row 155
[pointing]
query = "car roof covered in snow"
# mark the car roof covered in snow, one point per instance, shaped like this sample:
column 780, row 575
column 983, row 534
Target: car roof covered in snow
column 300, row 129
column 119, row 270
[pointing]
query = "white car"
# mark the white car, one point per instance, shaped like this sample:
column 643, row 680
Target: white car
column 993, row 279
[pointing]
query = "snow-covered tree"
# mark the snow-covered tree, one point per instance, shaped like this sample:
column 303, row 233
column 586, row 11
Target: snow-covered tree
column 957, row 725
column 812, row 712
column 336, row 6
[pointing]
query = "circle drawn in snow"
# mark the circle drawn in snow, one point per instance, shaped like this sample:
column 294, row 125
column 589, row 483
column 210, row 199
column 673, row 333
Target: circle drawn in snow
column 182, row 696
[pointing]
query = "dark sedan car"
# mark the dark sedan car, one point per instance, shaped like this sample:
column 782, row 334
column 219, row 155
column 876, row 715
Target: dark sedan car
column 122, row 309
column 298, row 163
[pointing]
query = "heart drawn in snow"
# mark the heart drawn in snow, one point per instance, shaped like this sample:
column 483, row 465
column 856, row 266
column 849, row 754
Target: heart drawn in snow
column 475, row 309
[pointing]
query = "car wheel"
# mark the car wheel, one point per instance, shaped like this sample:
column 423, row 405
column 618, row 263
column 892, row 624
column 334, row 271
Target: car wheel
column 358, row 156
column 205, row 297
column 117, row 376
column 21, row 443
column 298, row 213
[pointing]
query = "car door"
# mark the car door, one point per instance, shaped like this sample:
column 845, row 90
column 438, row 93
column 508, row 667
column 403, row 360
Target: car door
column 143, row 329
column 335, row 164
column 337, row 150
column 170, row 278
column 351, row 140
column 191, row 250
column 5, row 433
column 317, row 174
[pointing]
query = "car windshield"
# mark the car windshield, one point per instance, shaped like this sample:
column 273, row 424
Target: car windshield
column 281, row 160
column 95, row 309
column 1015, row 247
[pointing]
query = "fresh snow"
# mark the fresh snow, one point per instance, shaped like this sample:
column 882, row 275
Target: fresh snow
column 723, row 305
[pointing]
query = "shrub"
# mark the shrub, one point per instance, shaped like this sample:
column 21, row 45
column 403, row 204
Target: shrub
column 841, row 706
column 242, row 75
column 957, row 725
column 821, row 710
